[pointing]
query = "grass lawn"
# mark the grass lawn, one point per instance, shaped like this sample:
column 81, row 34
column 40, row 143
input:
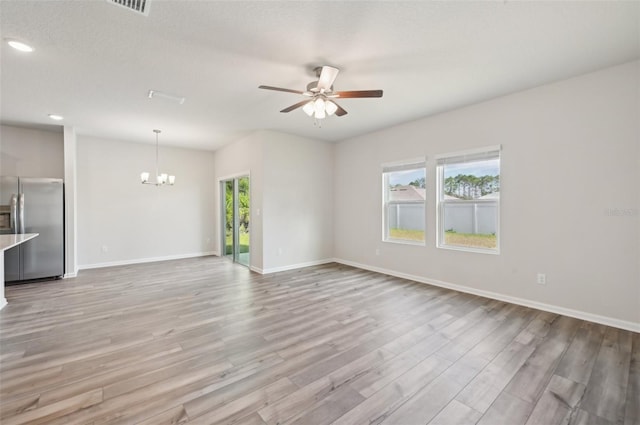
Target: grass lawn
column 471, row 240
column 244, row 243
column 410, row 235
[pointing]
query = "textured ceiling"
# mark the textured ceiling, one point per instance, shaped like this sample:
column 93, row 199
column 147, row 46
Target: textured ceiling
column 95, row 62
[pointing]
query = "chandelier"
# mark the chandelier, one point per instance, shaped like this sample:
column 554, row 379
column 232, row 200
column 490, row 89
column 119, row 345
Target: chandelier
column 161, row 178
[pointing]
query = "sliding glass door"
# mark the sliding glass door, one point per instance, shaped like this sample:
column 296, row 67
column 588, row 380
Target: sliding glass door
column 228, row 219
column 235, row 219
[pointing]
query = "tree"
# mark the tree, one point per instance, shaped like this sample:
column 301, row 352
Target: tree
column 468, row 186
column 449, row 186
column 420, row 182
column 243, row 204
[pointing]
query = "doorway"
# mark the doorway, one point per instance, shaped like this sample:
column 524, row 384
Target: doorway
column 235, row 219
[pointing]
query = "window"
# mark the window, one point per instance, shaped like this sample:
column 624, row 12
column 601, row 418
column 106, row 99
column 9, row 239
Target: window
column 404, row 201
column 469, row 200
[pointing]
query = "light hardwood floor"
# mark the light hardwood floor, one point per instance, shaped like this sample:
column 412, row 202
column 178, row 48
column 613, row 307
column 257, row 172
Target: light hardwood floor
column 204, row 341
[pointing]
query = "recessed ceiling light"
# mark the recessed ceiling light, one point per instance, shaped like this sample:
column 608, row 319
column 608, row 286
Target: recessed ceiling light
column 56, row 117
column 19, row 45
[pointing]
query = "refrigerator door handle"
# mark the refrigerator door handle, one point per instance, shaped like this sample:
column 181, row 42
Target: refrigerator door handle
column 21, row 207
column 14, row 213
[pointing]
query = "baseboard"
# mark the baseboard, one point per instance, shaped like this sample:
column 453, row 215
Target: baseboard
column 292, row 266
column 145, row 260
column 604, row 320
column 70, row 275
column 3, row 302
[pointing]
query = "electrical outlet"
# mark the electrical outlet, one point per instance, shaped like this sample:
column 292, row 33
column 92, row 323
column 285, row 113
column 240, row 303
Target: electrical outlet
column 105, row 248
column 377, row 252
column 542, row 279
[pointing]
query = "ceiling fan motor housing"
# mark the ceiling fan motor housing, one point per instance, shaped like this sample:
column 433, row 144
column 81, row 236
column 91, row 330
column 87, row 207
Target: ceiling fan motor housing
column 313, row 87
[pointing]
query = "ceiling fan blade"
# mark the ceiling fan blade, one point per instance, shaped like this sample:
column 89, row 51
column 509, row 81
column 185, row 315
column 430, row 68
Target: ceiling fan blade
column 340, row 111
column 327, row 77
column 359, row 93
column 296, row 106
column 280, row 89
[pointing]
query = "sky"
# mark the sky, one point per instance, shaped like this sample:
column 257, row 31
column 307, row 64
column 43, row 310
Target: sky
column 405, row 177
column 490, row 167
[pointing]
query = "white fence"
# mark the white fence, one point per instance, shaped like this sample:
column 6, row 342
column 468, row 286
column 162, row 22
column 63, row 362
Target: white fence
column 459, row 216
column 406, row 215
column 471, row 217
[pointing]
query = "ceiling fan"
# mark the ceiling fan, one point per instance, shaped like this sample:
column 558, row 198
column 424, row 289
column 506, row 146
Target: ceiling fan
column 321, row 96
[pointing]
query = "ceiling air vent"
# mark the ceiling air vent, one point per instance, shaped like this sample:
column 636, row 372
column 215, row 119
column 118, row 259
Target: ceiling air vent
column 138, row 6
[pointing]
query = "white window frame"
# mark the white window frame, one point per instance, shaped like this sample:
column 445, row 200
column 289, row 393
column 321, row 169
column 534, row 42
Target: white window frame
column 457, row 158
column 409, row 164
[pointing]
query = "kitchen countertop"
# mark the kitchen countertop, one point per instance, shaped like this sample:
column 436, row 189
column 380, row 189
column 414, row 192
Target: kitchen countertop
column 6, row 242
column 9, row 241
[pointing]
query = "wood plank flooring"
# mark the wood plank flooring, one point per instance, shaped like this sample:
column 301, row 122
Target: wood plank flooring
column 204, row 341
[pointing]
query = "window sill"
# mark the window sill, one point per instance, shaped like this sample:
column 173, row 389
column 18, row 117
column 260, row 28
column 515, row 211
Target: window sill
column 405, row 242
column 474, row 250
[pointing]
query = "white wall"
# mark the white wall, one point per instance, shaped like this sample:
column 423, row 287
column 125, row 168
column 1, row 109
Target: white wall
column 31, row 153
column 570, row 155
column 291, row 197
column 297, row 201
column 137, row 222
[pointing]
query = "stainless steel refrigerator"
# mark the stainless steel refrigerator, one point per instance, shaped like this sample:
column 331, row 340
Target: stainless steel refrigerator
column 33, row 205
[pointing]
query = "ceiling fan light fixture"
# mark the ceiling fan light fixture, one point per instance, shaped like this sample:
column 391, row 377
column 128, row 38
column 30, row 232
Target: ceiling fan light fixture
column 330, row 107
column 309, row 108
column 319, row 106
